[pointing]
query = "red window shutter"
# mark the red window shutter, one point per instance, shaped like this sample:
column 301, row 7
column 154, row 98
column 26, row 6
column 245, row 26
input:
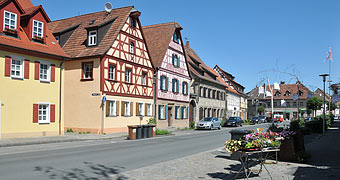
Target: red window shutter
column 52, row 113
column 27, row 69
column 7, row 66
column 35, row 113
column 52, row 73
column 37, row 70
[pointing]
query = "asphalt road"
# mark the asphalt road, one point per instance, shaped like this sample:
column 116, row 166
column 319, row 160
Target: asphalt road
column 106, row 159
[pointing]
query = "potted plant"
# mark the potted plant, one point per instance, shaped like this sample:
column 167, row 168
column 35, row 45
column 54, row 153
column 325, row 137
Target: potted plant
column 38, row 38
column 11, row 31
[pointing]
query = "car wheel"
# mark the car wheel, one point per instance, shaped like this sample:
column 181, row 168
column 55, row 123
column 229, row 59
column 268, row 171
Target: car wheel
column 220, row 127
column 240, row 125
column 211, row 127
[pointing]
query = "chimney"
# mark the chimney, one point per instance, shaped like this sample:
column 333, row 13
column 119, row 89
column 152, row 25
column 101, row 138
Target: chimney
column 282, row 82
column 187, row 44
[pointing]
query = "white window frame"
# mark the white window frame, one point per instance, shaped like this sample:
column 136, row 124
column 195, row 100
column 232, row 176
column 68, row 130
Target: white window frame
column 112, row 107
column 42, row 28
column 149, row 109
column 48, row 110
column 92, row 38
column 127, row 108
column 141, row 109
column 113, row 73
column 128, row 75
column 176, row 90
column 162, row 111
column 163, row 83
column 84, row 70
column 132, row 47
column 144, row 79
column 9, row 25
column 21, row 70
column 48, row 72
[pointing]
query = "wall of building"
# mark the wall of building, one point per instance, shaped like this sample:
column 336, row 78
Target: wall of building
column 233, row 103
column 171, row 121
column 17, row 97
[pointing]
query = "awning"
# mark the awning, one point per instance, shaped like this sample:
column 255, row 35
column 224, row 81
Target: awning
column 287, row 111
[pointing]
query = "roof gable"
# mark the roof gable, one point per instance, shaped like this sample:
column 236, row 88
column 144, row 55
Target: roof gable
column 30, row 12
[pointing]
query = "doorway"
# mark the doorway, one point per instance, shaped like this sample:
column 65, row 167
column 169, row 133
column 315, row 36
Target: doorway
column 169, row 116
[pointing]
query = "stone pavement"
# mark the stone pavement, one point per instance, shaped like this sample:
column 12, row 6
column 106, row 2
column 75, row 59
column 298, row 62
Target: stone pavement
column 216, row 164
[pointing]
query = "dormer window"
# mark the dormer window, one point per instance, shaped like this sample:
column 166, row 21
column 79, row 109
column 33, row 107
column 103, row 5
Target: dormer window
column 287, row 93
column 10, row 22
column 133, row 22
column 176, row 37
column 132, row 48
column 92, row 38
column 38, row 30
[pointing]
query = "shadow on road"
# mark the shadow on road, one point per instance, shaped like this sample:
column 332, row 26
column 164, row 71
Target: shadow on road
column 91, row 171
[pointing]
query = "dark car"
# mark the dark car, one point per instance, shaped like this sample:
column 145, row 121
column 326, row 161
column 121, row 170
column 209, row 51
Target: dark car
column 254, row 120
column 234, row 121
column 262, row 119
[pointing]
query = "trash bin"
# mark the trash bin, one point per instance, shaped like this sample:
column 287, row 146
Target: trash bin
column 149, row 134
column 153, row 130
column 132, row 132
column 235, row 135
column 145, row 131
column 139, row 131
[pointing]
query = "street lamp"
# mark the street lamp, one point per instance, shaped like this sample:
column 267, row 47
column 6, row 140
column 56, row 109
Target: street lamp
column 324, row 76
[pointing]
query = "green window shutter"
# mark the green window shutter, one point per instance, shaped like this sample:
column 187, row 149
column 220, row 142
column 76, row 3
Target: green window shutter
column 187, row 112
column 159, row 111
column 173, row 59
column 176, row 109
column 167, row 83
column 161, row 82
column 178, row 86
column 183, row 90
column 166, row 111
column 182, row 112
column 173, row 85
column 178, row 62
column 187, row 86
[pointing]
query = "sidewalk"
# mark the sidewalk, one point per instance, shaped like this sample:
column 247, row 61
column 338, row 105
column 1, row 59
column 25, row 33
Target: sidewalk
column 216, row 164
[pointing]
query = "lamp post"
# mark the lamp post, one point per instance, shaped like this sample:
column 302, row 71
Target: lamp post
column 324, row 76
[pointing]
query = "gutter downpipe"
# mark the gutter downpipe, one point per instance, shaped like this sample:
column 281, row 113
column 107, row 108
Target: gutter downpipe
column 60, row 93
column 155, row 92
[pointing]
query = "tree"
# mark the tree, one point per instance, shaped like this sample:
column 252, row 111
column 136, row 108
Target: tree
column 333, row 106
column 314, row 104
column 260, row 110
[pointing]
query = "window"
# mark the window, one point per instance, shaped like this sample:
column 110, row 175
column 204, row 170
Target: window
column 175, row 86
column 144, row 78
column 163, row 83
column 209, row 93
column 127, row 109
column 301, row 103
column 17, row 69
column 176, row 37
column 92, row 38
column 288, row 104
column 38, row 29
column 162, row 112
column 132, row 48
column 140, row 109
column 218, row 95
column 176, row 60
column 57, row 38
column 275, row 104
column 177, row 112
column 44, row 72
column 128, row 75
column 44, row 113
column 88, row 70
column 112, row 108
column 294, row 104
column 10, row 20
column 184, row 112
column 185, row 88
column 133, row 22
column 112, row 72
column 149, row 109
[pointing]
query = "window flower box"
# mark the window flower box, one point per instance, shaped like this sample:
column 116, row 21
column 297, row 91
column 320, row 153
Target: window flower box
column 38, row 38
column 11, row 31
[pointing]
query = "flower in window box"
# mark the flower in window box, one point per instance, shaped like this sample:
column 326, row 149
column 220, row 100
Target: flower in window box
column 38, row 38
column 10, row 30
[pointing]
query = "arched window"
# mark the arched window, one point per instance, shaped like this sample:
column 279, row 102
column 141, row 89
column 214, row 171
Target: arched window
column 132, row 48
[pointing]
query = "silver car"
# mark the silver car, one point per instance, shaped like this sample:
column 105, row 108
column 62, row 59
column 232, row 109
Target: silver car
column 209, row 123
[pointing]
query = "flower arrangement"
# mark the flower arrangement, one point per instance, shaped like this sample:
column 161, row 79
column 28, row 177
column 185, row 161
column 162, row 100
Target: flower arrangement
column 10, row 30
column 38, row 38
column 285, row 134
column 234, row 145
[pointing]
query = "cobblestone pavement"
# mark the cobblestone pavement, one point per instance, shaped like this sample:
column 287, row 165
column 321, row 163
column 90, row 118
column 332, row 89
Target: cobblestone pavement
column 217, row 165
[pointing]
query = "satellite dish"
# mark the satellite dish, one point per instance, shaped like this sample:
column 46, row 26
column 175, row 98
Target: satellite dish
column 108, row 7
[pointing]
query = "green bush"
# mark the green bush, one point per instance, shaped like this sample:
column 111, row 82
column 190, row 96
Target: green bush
column 162, row 132
column 316, row 124
column 192, row 125
column 295, row 125
column 223, row 122
column 152, row 121
column 69, row 130
column 246, row 122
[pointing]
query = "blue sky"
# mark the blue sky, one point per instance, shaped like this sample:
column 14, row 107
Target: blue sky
column 250, row 39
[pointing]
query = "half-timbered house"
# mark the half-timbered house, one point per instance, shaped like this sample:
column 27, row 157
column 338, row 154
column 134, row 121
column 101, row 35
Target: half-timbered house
column 31, row 73
column 109, row 58
column 173, row 79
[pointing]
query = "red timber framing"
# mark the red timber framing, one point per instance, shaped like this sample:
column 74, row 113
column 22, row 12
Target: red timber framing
column 138, row 62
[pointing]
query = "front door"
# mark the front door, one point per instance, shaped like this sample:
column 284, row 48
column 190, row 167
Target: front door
column 169, row 116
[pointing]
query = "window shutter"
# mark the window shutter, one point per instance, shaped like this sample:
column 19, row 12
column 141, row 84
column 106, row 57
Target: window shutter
column 167, row 83
column 36, row 70
column 161, row 82
column 107, row 107
column 166, row 111
column 7, row 66
column 159, row 112
column 187, row 88
column 145, row 109
column 187, row 113
column 131, row 109
column 177, row 86
column 35, row 113
column 176, row 109
column 123, row 107
column 183, row 87
column 137, row 109
column 173, row 59
column 52, row 73
column 52, row 113
column 178, row 62
column 27, row 69
column 182, row 112
column 173, row 85
column 117, row 108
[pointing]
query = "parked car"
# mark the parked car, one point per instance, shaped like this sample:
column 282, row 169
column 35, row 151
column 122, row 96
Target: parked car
column 209, row 123
column 262, row 119
column 254, row 120
column 234, row 121
column 336, row 117
column 278, row 118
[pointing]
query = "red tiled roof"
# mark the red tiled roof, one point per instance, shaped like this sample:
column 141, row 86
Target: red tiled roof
column 292, row 88
column 75, row 47
column 158, row 38
column 233, row 82
column 51, row 46
column 219, row 78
